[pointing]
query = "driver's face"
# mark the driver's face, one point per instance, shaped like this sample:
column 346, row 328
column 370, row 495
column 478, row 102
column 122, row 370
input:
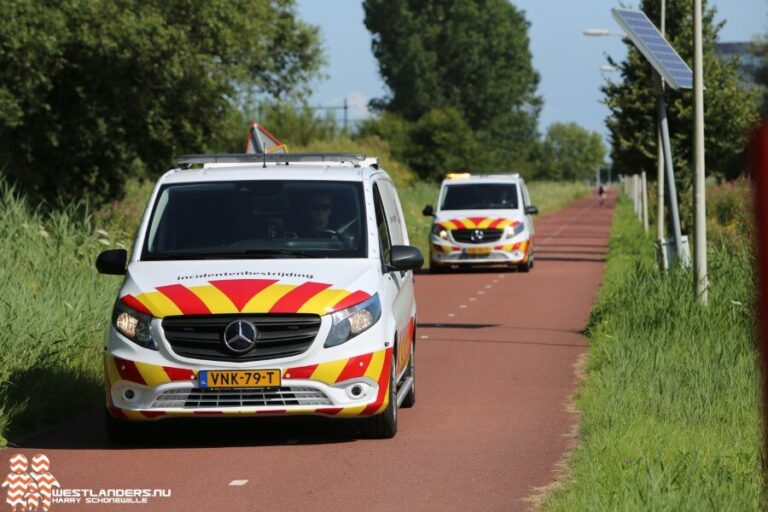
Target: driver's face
column 320, row 211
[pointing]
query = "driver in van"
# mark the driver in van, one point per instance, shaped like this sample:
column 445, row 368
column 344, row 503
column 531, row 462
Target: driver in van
column 319, row 212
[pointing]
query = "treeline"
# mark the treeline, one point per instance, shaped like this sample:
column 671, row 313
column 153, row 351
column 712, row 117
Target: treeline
column 94, row 92
column 462, row 92
column 440, row 141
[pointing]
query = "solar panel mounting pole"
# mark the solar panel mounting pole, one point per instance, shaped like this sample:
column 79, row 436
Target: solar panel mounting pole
column 671, row 68
column 660, row 151
column 661, row 113
column 699, row 187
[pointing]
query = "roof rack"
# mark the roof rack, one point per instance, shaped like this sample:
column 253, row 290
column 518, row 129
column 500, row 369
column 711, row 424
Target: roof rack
column 187, row 161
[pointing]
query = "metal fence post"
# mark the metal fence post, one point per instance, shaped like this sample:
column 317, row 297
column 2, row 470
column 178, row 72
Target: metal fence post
column 645, row 202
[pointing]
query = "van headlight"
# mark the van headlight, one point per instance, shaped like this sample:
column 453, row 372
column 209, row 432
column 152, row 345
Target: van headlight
column 439, row 232
column 350, row 322
column 513, row 231
column 133, row 325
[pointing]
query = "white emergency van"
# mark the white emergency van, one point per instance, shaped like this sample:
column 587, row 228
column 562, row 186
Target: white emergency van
column 482, row 219
column 265, row 285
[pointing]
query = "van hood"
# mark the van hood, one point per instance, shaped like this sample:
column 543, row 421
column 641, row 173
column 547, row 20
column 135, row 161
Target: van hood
column 318, row 286
column 477, row 219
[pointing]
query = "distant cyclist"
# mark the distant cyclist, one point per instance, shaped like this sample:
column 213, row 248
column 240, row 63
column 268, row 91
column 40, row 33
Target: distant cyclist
column 601, row 193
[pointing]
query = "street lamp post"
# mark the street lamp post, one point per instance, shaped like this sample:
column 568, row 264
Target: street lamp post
column 700, row 220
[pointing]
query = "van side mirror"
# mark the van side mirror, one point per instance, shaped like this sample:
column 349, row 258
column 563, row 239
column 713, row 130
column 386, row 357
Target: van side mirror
column 428, row 211
column 531, row 210
column 112, row 262
column 405, row 257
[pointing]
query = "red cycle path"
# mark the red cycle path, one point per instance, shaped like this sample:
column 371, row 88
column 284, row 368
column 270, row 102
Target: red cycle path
column 496, row 355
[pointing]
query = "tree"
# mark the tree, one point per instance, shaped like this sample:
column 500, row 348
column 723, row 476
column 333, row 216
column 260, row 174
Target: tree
column 570, row 152
column 470, row 56
column 439, row 142
column 93, row 92
column 729, row 112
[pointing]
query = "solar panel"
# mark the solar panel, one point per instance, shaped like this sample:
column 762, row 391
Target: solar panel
column 654, row 47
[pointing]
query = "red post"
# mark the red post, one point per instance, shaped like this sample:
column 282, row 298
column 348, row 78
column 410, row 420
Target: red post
column 758, row 159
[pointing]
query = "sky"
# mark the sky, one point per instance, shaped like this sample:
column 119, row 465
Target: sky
column 567, row 61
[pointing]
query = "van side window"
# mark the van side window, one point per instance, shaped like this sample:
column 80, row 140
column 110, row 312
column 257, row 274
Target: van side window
column 381, row 225
column 392, row 210
column 526, row 199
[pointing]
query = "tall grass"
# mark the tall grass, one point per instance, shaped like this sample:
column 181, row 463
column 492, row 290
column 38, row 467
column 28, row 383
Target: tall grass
column 53, row 311
column 670, row 407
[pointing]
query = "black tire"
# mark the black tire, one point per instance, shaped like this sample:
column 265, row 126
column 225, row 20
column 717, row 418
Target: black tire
column 437, row 269
column 121, row 432
column 384, row 424
column 524, row 267
column 410, row 399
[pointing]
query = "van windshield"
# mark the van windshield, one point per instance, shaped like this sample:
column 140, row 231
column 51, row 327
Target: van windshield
column 257, row 219
column 480, row 196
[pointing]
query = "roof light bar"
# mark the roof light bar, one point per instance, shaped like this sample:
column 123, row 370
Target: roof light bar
column 186, row 161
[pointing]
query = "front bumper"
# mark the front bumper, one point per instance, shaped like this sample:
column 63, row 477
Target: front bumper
column 142, row 391
column 449, row 253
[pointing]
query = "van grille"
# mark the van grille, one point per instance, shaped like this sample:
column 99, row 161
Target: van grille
column 465, row 236
column 197, row 398
column 202, row 337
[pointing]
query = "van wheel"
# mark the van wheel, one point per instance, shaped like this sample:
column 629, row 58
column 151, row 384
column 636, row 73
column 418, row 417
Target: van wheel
column 384, row 424
column 121, row 432
column 525, row 267
column 437, row 269
column 410, row 399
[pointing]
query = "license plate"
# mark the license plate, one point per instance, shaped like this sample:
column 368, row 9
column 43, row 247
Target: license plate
column 239, row 378
column 478, row 250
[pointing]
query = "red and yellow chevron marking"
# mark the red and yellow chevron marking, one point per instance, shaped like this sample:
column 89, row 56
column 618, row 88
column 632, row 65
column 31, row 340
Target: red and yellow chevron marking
column 151, row 375
column 477, row 223
column 405, row 345
column 519, row 246
column 445, row 248
column 374, row 365
column 243, row 296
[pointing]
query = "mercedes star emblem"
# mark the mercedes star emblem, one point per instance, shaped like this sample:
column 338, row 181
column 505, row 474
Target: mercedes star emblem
column 240, row 336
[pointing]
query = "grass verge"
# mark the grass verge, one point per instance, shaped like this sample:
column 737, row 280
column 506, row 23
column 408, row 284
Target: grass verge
column 670, row 406
column 53, row 312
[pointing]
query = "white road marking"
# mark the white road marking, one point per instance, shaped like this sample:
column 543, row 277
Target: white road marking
column 472, row 298
column 238, row 483
column 463, row 306
column 451, row 314
column 424, row 337
column 489, row 286
column 480, row 292
column 550, row 237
